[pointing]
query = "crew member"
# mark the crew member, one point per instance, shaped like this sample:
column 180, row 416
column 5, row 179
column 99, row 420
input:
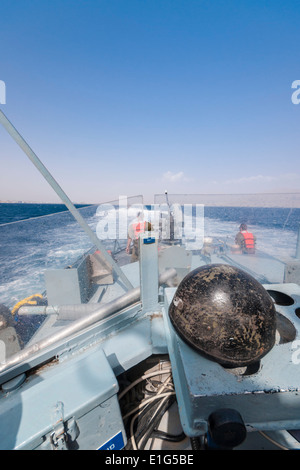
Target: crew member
column 135, row 229
column 245, row 240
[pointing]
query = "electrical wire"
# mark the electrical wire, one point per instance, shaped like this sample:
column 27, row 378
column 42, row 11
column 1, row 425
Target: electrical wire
column 160, row 395
column 144, row 417
column 157, row 434
column 155, row 421
column 148, row 400
column 132, row 438
column 273, row 442
column 144, row 377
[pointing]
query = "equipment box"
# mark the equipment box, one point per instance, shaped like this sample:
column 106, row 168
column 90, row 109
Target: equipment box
column 66, row 404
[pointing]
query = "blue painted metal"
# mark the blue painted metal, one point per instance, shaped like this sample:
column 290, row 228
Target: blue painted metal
column 115, row 443
column 85, row 387
column 267, row 399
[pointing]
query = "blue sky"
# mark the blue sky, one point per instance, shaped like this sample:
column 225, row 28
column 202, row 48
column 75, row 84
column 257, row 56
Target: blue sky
column 122, row 97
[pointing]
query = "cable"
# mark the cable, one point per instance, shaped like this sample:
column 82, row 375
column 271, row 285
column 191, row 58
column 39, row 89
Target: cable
column 153, row 422
column 144, row 377
column 162, row 408
column 144, row 418
column 162, row 395
column 156, row 416
column 159, row 394
column 157, row 434
column 148, row 400
column 132, row 438
column 273, row 442
column 150, row 410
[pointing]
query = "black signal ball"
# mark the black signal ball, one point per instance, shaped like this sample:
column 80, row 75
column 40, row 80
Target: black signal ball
column 225, row 314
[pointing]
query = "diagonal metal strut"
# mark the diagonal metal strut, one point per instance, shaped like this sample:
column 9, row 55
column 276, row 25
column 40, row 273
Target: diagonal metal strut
column 62, row 195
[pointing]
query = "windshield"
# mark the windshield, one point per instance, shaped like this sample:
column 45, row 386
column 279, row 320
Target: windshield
column 48, row 260
column 52, row 275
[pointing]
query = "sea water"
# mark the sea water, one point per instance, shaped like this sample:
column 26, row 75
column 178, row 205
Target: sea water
column 35, row 237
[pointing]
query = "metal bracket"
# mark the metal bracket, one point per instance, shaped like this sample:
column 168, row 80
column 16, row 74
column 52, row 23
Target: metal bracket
column 64, row 433
column 59, row 439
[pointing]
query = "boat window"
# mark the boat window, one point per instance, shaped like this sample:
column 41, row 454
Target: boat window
column 53, row 275
column 48, row 260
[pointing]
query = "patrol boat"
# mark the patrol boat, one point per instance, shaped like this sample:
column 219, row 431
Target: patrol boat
column 188, row 348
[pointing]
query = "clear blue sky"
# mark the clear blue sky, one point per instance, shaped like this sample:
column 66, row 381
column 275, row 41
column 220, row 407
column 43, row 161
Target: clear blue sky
column 121, row 97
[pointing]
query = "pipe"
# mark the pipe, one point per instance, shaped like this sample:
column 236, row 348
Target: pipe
column 62, row 195
column 72, row 312
column 76, row 311
column 102, row 312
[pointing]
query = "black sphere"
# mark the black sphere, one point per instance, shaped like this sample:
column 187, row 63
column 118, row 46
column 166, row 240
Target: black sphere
column 225, row 314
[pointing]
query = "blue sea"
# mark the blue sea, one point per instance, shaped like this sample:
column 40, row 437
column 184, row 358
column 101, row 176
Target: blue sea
column 34, row 237
column 14, row 212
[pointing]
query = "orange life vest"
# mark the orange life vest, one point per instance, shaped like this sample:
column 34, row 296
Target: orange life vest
column 139, row 228
column 249, row 241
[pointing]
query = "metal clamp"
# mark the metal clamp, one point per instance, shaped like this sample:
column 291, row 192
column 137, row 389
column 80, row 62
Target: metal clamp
column 64, row 433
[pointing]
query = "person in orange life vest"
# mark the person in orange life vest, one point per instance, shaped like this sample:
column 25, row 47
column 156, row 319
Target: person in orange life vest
column 138, row 226
column 245, row 240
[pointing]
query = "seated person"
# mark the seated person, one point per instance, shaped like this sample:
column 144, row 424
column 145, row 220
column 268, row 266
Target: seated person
column 245, row 240
column 138, row 227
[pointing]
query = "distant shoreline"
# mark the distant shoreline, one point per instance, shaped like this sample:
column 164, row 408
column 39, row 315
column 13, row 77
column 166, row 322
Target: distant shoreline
column 55, row 203
column 271, row 200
